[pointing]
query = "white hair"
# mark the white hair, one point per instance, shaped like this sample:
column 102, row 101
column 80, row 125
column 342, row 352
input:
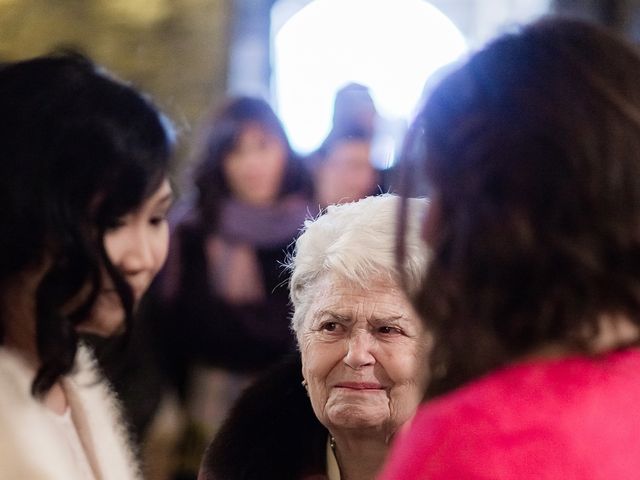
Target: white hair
column 356, row 242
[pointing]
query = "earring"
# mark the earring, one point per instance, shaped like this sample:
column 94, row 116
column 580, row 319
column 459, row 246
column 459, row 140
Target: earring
column 305, row 384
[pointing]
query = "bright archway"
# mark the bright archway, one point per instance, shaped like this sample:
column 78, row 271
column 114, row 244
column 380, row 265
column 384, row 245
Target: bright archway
column 391, row 46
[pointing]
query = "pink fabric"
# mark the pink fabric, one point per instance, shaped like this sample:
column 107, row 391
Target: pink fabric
column 575, row 418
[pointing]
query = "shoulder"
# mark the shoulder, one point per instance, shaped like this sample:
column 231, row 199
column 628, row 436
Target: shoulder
column 16, row 401
column 458, row 435
column 15, row 377
column 29, row 444
column 548, row 419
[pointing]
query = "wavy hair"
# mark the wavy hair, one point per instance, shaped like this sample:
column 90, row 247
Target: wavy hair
column 220, row 137
column 532, row 153
column 79, row 150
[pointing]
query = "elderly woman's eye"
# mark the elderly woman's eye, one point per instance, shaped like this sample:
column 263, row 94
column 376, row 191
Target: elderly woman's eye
column 329, row 326
column 388, row 330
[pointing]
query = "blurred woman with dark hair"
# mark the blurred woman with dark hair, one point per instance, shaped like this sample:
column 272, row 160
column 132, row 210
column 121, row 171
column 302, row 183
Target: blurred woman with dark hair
column 532, row 150
column 84, row 196
column 224, row 295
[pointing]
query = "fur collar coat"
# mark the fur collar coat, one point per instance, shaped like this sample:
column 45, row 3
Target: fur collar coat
column 31, row 446
column 271, row 432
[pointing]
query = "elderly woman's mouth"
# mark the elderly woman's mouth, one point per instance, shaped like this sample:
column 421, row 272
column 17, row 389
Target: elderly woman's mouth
column 359, row 386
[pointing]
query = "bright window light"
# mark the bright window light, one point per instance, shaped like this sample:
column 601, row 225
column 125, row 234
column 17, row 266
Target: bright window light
column 391, row 46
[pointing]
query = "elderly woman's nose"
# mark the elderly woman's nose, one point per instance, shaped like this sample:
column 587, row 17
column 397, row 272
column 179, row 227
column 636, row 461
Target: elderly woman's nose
column 359, row 352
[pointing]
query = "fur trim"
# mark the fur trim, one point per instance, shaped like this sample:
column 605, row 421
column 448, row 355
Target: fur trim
column 270, row 433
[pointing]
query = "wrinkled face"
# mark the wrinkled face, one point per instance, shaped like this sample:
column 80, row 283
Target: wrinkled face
column 254, row 169
column 364, row 356
column 347, row 173
column 137, row 246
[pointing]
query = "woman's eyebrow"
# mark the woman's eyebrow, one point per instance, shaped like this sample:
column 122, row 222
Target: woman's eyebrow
column 333, row 315
column 166, row 200
column 399, row 318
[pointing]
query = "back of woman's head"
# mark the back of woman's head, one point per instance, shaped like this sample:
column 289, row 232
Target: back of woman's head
column 79, row 150
column 532, row 151
column 222, row 135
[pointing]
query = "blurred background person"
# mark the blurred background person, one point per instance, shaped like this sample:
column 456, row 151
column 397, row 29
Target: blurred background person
column 355, row 159
column 84, row 195
column 533, row 294
column 354, row 108
column 341, row 168
column 222, row 299
column 331, row 411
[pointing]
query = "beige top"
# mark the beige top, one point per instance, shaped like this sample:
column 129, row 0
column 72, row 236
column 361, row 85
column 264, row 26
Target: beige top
column 333, row 470
column 34, row 446
column 68, row 431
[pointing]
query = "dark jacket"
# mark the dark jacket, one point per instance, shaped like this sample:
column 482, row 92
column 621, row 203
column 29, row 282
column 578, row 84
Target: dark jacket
column 271, row 432
column 197, row 326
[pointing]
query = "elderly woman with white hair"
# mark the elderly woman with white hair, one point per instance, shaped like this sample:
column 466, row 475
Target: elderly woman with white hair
column 331, row 412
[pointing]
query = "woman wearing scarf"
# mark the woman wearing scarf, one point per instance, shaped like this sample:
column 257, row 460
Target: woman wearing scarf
column 223, row 296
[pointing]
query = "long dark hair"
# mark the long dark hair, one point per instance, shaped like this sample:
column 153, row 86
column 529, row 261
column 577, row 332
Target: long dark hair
column 532, row 154
column 79, row 150
column 221, row 137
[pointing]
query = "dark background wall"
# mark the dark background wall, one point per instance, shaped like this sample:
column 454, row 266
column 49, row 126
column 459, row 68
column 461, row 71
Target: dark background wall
column 176, row 50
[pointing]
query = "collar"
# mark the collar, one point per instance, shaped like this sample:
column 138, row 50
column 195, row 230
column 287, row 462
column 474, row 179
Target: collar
column 333, row 470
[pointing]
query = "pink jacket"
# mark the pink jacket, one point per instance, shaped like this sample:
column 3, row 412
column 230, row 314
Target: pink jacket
column 575, row 418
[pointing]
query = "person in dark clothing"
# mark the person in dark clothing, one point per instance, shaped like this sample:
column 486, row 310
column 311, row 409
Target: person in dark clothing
column 221, row 303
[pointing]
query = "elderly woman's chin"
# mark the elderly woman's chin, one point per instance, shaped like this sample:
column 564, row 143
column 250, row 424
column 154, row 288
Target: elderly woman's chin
column 369, row 411
column 383, row 410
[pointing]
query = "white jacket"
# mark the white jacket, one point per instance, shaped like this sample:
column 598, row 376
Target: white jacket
column 30, row 445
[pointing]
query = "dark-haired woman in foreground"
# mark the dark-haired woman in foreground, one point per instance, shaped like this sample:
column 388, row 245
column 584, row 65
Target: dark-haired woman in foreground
column 84, row 195
column 533, row 294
